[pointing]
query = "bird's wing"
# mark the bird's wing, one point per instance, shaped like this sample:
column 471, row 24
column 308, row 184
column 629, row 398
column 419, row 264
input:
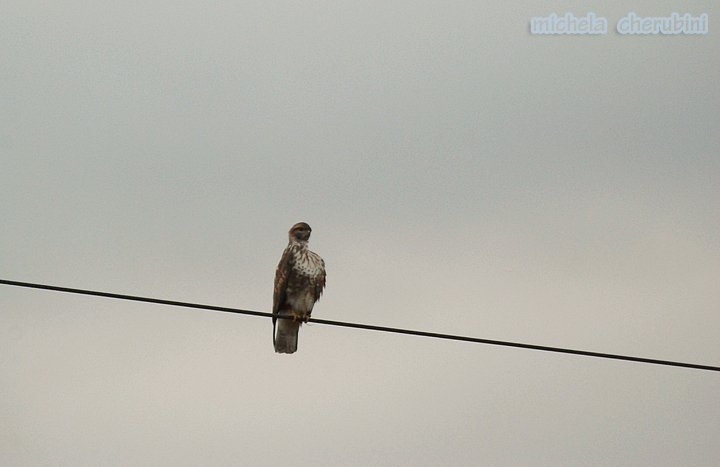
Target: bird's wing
column 319, row 281
column 282, row 273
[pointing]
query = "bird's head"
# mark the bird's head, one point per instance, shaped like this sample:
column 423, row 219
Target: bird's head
column 300, row 232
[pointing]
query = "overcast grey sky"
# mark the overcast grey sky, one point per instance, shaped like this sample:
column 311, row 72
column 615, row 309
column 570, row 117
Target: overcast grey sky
column 461, row 175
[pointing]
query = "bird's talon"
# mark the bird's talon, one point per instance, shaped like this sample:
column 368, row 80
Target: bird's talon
column 297, row 317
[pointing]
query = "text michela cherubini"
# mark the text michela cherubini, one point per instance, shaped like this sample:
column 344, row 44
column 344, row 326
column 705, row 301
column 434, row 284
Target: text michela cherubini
column 569, row 24
column 631, row 24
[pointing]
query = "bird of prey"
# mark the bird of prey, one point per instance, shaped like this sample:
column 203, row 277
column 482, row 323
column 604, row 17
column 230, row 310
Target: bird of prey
column 299, row 282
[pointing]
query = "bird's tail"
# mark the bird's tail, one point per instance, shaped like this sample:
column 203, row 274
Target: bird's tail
column 286, row 336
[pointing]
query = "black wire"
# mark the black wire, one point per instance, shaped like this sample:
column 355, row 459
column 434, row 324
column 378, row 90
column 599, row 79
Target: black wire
column 364, row 326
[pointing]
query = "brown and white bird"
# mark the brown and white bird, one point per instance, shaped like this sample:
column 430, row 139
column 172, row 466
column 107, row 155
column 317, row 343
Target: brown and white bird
column 299, row 282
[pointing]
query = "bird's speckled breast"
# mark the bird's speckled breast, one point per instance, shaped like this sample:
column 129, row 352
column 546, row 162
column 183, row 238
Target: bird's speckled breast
column 308, row 263
column 301, row 293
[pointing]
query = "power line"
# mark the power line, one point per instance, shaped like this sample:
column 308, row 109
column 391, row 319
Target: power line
column 370, row 327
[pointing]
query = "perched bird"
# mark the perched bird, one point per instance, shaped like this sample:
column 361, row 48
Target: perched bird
column 299, row 282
